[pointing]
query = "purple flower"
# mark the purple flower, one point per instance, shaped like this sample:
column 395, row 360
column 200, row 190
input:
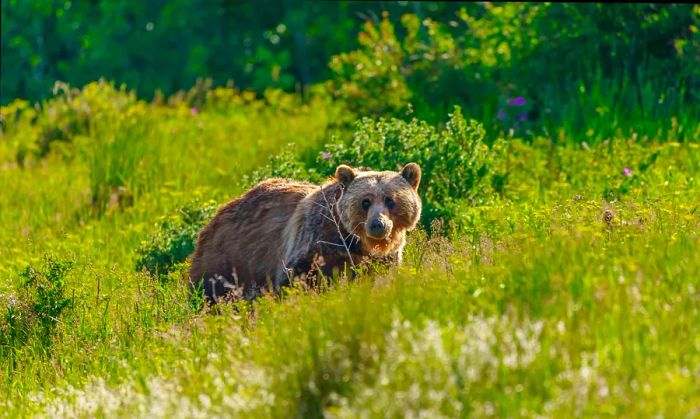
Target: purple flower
column 627, row 172
column 326, row 155
column 194, row 111
column 522, row 117
column 501, row 115
column 516, row 101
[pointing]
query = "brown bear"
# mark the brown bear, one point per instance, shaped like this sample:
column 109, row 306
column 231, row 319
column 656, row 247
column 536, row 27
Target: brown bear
column 282, row 228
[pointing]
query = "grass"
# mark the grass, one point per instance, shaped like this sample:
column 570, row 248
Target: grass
column 571, row 290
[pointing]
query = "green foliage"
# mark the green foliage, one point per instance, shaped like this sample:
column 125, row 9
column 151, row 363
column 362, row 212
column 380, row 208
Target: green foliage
column 174, row 239
column 562, row 274
column 71, row 113
column 49, row 298
column 456, row 164
column 640, row 63
column 121, row 149
column 166, row 46
column 458, row 167
column 38, row 308
column 370, row 79
column 150, row 158
column 156, row 46
column 285, row 164
column 566, row 284
column 488, row 54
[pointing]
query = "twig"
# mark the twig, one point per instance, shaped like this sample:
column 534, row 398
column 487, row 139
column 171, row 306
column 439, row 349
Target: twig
column 330, row 243
column 337, row 225
column 288, row 272
column 324, row 215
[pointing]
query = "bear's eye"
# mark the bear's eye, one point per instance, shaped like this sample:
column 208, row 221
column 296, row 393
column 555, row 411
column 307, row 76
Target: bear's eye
column 389, row 203
column 366, row 203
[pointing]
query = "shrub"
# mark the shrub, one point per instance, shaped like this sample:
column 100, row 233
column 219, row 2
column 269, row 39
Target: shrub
column 285, row 164
column 457, row 164
column 370, row 79
column 174, row 238
column 70, row 113
column 38, row 307
column 638, row 67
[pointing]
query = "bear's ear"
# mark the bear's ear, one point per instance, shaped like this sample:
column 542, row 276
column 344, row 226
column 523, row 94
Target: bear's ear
column 411, row 172
column 345, row 175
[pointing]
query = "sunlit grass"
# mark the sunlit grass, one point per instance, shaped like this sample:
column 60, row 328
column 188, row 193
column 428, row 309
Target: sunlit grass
column 572, row 291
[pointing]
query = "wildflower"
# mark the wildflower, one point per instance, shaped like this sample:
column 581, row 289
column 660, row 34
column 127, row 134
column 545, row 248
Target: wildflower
column 522, row 117
column 627, row 172
column 516, row 101
column 194, row 111
column 326, row 155
column 501, row 115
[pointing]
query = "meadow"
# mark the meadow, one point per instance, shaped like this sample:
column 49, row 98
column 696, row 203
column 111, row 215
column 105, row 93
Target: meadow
column 569, row 287
column 555, row 271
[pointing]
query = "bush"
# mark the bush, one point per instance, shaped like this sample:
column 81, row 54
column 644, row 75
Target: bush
column 166, row 46
column 639, row 67
column 38, row 308
column 285, row 164
column 457, row 164
column 70, row 113
column 174, row 238
column 455, row 161
column 371, row 79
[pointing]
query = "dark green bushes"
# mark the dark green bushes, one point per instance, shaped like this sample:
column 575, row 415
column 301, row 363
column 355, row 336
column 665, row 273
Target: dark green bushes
column 458, row 167
column 167, row 46
column 174, row 239
column 584, row 70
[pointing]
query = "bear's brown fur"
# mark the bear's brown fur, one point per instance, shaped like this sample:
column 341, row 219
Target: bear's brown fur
column 283, row 228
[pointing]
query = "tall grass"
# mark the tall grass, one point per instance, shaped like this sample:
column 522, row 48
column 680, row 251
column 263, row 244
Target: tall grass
column 569, row 289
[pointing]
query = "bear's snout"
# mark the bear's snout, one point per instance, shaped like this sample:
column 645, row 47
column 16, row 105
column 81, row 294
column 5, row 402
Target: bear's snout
column 377, row 228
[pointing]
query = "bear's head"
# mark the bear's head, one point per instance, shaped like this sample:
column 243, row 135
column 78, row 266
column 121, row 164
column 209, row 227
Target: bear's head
column 379, row 207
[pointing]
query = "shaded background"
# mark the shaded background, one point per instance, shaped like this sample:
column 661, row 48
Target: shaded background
column 568, row 62
column 167, row 45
